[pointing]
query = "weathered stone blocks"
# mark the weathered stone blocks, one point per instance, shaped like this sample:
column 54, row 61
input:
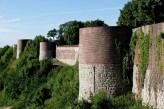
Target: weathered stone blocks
column 99, row 61
column 67, row 54
column 152, row 90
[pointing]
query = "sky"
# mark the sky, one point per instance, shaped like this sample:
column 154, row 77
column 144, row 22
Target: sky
column 24, row 19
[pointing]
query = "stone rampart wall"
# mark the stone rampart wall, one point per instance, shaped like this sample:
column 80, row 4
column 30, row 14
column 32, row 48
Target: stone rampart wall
column 67, row 54
column 152, row 90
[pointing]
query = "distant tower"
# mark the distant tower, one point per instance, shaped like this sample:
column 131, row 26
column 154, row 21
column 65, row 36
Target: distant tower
column 21, row 44
column 99, row 62
column 47, row 50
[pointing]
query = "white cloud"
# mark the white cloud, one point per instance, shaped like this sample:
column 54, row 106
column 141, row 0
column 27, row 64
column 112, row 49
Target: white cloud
column 2, row 30
column 10, row 20
column 5, row 30
column 19, row 26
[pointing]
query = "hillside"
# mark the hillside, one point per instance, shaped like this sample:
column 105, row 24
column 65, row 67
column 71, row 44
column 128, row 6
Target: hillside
column 32, row 84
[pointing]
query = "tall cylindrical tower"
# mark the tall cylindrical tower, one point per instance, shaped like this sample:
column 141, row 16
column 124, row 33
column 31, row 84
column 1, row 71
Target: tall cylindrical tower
column 21, row 44
column 99, row 61
column 47, row 50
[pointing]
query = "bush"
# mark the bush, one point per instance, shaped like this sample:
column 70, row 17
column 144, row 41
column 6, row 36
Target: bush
column 3, row 50
column 84, row 104
column 32, row 47
column 100, row 101
column 63, row 81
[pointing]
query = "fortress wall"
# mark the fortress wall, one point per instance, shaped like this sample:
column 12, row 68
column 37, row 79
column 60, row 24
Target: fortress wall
column 21, row 44
column 67, row 54
column 152, row 91
column 47, row 50
column 99, row 62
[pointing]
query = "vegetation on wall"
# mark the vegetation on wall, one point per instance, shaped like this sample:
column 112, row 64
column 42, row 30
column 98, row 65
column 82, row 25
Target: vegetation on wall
column 127, row 67
column 159, row 46
column 143, row 43
column 126, row 63
column 159, row 51
column 133, row 42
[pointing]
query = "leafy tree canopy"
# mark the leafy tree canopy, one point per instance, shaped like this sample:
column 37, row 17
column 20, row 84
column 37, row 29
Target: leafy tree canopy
column 3, row 50
column 68, row 33
column 32, row 47
column 141, row 12
column 94, row 23
column 52, row 33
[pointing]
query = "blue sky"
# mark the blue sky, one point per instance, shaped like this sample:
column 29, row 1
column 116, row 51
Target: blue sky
column 24, row 19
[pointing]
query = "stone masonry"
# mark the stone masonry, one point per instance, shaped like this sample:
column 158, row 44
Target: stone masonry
column 47, row 50
column 99, row 62
column 152, row 91
column 21, row 44
column 67, row 54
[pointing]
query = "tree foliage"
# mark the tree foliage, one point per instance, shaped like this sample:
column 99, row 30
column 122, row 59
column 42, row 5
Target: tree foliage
column 7, row 53
column 52, row 33
column 141, row 12
column 32, row 47
column 3, row 50
column 68, row 33
column 93, row 23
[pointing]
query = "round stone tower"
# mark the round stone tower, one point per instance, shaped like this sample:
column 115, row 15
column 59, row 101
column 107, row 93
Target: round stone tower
column 21, row 44
column 99, row 61
column 47, row 50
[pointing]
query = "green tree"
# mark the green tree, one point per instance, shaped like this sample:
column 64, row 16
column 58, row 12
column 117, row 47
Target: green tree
column 32, row 47
column 93, row 23
column 69, row 32
column 141, row 12
column 126, row 15
column 3, row 50
column 52, row 33
column 60, row 37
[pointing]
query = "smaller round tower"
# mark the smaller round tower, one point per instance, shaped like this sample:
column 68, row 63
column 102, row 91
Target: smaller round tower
column 21, row 44
column 47, row 50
